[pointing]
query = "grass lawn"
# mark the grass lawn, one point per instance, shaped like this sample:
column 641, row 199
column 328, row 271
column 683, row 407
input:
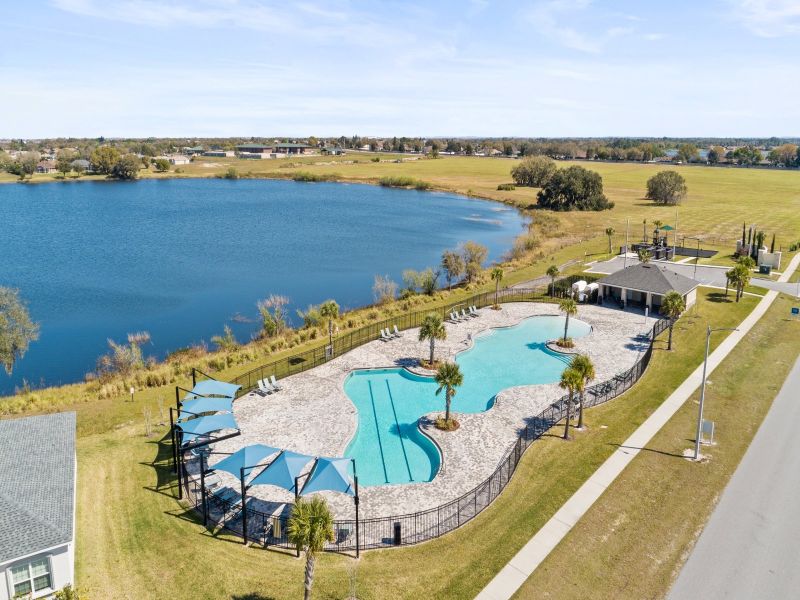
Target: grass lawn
column 135, row 540
column 634, row 540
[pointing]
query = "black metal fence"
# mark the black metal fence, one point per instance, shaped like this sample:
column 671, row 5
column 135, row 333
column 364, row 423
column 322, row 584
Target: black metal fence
column 270, row 529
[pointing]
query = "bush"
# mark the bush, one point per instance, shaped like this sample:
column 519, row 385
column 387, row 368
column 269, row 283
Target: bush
column 375, row 159
column 574, row 188
column 384, row 290
column 506, row 187
column 404, row 181
column 315, row 177
column 231, row 173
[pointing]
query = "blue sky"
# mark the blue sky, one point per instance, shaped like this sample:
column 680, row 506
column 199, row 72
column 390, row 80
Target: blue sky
column 480, row 67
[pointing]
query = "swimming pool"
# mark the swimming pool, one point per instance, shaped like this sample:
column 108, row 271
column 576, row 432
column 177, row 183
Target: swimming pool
column 388, row 446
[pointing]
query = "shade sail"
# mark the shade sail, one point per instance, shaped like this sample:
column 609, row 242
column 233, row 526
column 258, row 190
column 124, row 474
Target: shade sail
column 283, row 470
column 212, row 387
column 249, row 456
column 666, row 228
column 203, row 425
column 194, row 407
column 330, row 474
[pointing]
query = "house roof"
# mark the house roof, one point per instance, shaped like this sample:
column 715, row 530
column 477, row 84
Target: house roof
column 292, row 145
column 253, row 146
column 649, row 277
column 37, row 483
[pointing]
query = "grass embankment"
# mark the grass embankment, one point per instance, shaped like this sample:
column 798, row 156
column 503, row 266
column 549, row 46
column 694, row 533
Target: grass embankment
column 134, row 540
column 634, row 540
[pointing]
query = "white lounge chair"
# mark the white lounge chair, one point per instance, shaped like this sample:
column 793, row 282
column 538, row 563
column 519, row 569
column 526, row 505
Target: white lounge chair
column 454, row 317
column 464, row 314
column 277, row 386
column 264, row 387
column 385, row 336
column 474, row 311
column 397, row 332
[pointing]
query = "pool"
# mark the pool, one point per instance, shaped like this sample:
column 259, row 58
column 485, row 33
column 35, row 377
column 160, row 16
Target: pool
column 388, row 446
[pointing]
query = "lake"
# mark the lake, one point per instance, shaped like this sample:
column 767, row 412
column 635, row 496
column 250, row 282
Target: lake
column 180, row 258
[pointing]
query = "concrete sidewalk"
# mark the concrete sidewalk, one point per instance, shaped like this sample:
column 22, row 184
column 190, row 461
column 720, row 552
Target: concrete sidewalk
column 525, row 562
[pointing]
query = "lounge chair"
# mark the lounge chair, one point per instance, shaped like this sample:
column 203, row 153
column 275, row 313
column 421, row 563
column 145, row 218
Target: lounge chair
column 474, row 311
column 454, row 317
column 397, row 332
column 385, row 335
column 264, row 387
column 276, row 386
column 464, row 314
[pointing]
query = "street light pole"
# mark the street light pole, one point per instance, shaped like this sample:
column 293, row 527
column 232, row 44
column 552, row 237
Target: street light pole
column 709, row 331
column 696, row 258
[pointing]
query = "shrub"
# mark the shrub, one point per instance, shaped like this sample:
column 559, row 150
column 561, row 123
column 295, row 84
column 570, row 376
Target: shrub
column 506, row 187
column 315, row 177
column 384, row 289
column 404, row 181
column 231, row 173
column 375, row 159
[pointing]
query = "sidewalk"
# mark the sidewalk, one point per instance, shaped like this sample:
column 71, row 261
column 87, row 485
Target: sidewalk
column 525, row 562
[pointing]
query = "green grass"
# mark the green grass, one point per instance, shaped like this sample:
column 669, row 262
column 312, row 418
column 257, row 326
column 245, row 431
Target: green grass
column 634, row 540
column 135, row 540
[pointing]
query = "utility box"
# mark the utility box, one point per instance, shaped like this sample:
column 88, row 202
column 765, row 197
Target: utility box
column 765, row 269
column 397, row 535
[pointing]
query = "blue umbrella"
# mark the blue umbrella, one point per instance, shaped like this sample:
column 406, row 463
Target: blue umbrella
column 249, row 456
column 212, row 387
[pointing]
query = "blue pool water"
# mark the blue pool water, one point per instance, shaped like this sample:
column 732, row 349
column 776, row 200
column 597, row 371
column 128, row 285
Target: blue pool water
column 388, row 446
column 182, row 258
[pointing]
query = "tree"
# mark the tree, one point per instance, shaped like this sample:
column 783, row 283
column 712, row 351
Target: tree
column 610, row 233
column 226, row 341
column 310, row 527
column 687, row 153
column 571, row 381
column 534, row 171
column 497, row 277
column 452, row 265
column 672, row 306
column 784, row 154
column 746, row 155
column 584, row 366
column 330, row 310
column 569, row 307
column 383, row 289
column 123, row 359
column 64, row 161
column 474, row 256
column 552, row 273
column 104, row 158
column 449, row 377
column 27, row 162
column 17, row 330
column 716, row 154
column 127, row 167
column 574, row 188
column 666, row 187
column 432, row 329
column 273, row 316
column 162, row 165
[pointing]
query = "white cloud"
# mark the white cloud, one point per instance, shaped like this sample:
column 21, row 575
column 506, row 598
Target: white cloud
column 653, row 37
column 768, row 18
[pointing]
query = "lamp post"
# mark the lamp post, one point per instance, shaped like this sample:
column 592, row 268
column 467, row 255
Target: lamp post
column 697, row 254
column 709, row 331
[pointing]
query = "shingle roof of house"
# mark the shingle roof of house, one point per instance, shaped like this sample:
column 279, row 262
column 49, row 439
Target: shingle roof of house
column 253, row 146
column 651, row 278
column 37, row 483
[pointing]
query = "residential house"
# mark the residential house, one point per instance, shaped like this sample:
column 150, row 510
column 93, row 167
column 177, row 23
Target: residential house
column 46, row 166
column 37, row 505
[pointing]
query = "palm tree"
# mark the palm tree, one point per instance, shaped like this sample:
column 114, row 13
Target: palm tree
column 610, row 233
column 672, row 306
column 644, row 256
column 329, row 309
column 569, row 307
column 432, row 329
column 449, row 377
column 552, row 273
column 741, row 277
column 309, row 527
column 583, row 365
column 570, row 380
column 497, row 277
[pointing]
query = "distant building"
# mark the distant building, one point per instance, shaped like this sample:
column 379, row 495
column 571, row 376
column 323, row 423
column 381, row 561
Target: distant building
column 333, row 150
column 37, row 505
column 288, row 148
column 81, row 164
column 46, row 166
column 194, row 150
column 178, row 159
column 219, row 153
column 255, row 150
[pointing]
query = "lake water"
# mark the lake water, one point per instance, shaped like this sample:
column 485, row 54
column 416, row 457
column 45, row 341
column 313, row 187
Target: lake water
column 180, row 258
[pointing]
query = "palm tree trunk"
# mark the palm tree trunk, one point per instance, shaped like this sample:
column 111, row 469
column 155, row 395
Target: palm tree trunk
column 496, row 291
column 566, row 327
column 727, row 285
column 310, row 559
column 669, row 342
column 433, row 343
column 610, row 249
column 330, row 331
column 447, row 405
column 580, row 411
column 569, row 414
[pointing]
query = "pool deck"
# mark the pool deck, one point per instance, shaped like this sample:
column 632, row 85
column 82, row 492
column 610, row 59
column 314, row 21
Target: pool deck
column 313, row 415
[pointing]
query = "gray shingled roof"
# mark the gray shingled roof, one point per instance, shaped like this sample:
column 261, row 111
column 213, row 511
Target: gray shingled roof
column 37, row 483
column 651, row 278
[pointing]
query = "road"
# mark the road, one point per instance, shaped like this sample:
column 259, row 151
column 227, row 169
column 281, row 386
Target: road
column 706, row 275
column 751, row 544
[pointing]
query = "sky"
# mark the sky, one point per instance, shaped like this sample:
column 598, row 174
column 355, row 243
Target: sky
column 540, row 68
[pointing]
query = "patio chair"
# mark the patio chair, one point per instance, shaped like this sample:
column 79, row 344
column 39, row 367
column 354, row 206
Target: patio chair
column 385, row 335
column 276, row 386
column 464, row 314
column 474, row 311
column 264, row 387
column 454, row 317
column 397, row 332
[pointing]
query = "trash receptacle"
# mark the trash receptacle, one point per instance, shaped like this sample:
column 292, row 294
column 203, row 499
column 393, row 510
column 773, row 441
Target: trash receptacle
column 397, row 533
column 765, row 269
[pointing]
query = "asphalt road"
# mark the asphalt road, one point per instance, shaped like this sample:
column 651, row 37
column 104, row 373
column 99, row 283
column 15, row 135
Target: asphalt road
column 750, row 547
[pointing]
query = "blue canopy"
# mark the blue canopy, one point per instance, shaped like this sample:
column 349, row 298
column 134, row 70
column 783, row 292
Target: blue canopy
column 249, row 456
column 330, row 474
column 212, row 387
column 283, row 470
column 204, row 425
column 202, row 405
